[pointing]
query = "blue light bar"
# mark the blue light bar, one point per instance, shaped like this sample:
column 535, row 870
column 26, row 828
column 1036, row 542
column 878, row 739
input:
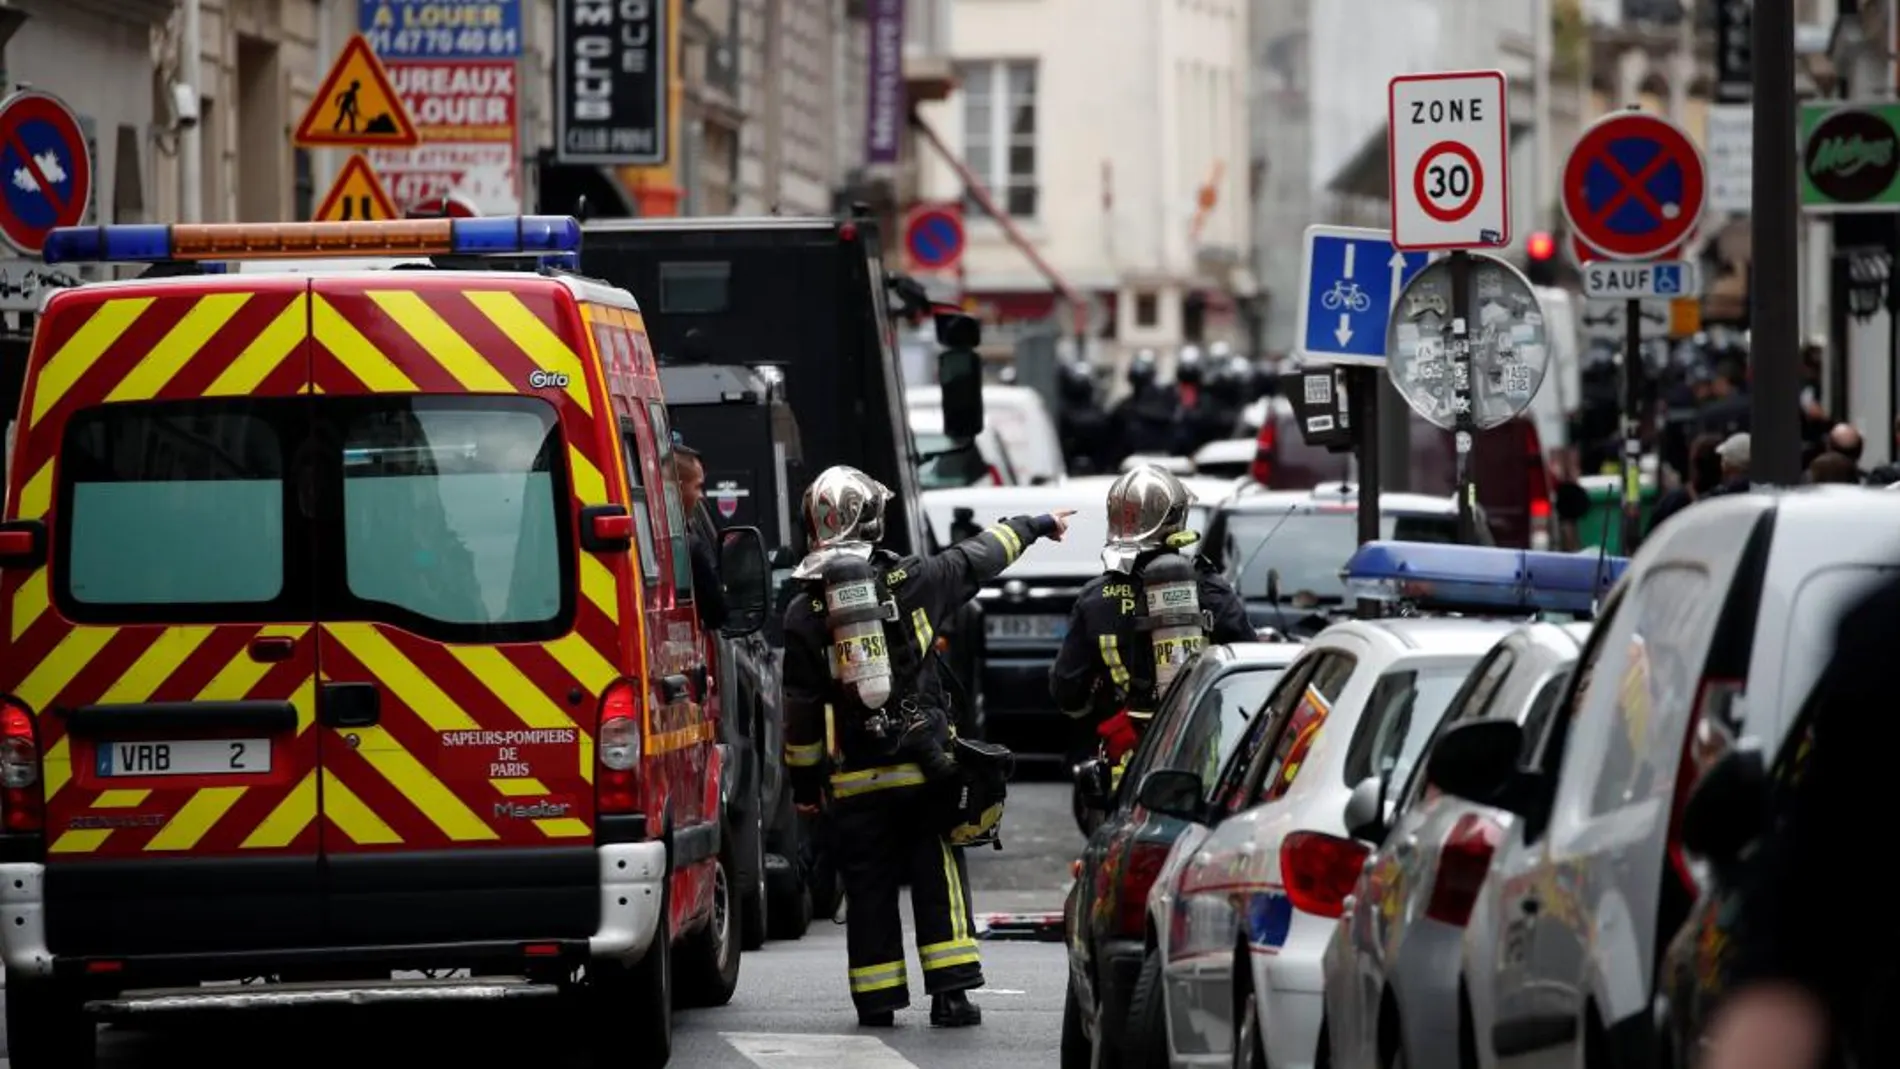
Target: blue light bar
column 502, row 235
column 1465, row 578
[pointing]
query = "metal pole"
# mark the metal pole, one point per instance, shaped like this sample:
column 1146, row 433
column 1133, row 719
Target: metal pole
column 1364, row 399
column 1465, row 428
column 1774, row 296
column 1540, row 75
column 1631, row 473
column 191, row 176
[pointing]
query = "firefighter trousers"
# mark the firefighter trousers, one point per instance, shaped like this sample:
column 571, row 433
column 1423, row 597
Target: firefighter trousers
column 880, row 843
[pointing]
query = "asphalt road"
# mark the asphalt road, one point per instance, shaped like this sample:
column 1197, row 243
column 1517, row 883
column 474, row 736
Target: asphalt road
column 792, row 1010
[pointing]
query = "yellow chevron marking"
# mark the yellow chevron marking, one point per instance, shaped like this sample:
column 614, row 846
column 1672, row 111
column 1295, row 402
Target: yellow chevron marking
column 597, row 584
column 304, row 700
column 544, row 347
column 184, row 341
column 344, row 809
column 107, row 324
column 79, row 841
column 30, row 601
column 37, row 495
column 56, row 768
column 588, row 485
column 519, row 788
column 243, row 672
column 60, row 666
column 120, row 799
column 587, row 757
column 563, row 828
column 266, row 351
column 583, row 662
column 402, row 677
column 195, row 818
column 356, row 352
column 450, row 349
column 414, row 781
column 289, row 819
column 496, row 672
column 155, row 665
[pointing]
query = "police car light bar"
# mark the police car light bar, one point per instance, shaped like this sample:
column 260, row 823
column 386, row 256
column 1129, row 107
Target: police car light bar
column 558, row 236
column 1434, row 575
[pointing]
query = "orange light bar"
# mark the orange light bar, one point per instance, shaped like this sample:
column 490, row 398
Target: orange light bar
column 263, row 241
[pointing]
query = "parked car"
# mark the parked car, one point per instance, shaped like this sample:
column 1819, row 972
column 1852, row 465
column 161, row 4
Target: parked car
column 1395, row 987
column 1019, row 417
column 1283, row 549
column 1104, row 915
column 1228, row 459
column 1708, row 639
column 1507, row 465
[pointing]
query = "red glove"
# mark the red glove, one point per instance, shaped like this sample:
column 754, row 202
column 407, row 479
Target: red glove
column 1118, row 735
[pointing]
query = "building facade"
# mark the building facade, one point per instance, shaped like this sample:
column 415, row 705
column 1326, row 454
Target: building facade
column 1115, row 144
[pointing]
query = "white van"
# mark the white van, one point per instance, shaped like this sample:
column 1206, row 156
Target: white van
column 1019, row 417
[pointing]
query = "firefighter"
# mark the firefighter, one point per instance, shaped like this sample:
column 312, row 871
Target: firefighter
column 1135, row 627
column 869, row 744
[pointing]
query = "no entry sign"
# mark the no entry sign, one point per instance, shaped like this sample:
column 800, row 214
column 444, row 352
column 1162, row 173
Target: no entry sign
column 1634, row 186
column 1450, row 161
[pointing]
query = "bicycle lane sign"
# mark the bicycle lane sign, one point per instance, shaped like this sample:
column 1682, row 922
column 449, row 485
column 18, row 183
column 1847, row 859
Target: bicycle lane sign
column 1349, row 277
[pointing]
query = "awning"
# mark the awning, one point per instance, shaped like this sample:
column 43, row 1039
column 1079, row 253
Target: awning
column 1364, row 173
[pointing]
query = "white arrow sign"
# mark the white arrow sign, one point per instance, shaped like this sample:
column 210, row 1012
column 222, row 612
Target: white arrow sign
column 1344, row 331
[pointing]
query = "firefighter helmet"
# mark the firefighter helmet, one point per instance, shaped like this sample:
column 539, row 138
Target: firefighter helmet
column 844, row 516
column 1147, row 509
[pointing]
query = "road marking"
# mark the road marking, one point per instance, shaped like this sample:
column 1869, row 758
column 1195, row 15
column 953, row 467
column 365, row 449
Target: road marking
column 774, row 1051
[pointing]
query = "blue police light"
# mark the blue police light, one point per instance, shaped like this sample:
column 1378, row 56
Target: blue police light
column 557, row 236
column 1434, row 576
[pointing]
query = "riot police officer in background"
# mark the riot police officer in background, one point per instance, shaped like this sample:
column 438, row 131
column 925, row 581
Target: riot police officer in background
column 1087, row 440
column 1146, row 416
column 867, row 737
column 1135, row 627
column 1222, row 401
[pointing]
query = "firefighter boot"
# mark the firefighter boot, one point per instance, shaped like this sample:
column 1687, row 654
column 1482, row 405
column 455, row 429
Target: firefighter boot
column 953, row 1009
column 877, row 1019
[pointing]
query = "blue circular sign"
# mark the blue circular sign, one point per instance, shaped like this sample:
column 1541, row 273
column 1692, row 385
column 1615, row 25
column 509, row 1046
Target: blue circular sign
column 934, row 237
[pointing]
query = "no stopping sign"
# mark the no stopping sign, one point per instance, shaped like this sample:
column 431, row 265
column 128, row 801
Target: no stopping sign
column 1449, row 160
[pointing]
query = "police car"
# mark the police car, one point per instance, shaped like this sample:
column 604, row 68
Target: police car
column 1248, row 900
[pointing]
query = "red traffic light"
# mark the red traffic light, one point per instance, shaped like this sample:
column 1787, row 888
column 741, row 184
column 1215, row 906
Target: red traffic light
column 1540, row 246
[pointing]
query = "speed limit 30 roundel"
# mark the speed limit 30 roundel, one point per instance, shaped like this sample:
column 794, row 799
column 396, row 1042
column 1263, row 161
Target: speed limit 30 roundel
column 1450, row 161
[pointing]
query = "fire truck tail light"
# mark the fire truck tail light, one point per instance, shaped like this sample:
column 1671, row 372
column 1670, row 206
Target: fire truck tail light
column 617, row 745
column 22, row 801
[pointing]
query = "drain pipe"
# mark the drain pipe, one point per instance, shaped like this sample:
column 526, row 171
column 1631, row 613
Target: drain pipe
column 1078, row 308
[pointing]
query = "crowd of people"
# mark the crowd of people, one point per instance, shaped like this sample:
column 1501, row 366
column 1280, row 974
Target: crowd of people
column 1203, row 404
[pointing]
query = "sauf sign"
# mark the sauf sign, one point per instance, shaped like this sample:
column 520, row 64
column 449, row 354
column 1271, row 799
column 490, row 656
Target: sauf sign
column 611, row 80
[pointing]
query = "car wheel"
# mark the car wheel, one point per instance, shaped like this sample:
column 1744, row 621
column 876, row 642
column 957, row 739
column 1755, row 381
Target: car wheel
column 709, row 958
column 634, row 1000
column 1145, row 1035
column 1249, row 1045
column 753, row 926
column 47, row 1026
column 1077, row 1052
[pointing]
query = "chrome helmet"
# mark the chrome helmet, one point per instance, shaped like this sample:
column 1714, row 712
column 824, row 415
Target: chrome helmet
column 844, row 516
column 1147, row 510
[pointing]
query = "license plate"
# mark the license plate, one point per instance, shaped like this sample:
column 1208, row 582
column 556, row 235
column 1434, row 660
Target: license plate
column 186, row 757
column 997, row 625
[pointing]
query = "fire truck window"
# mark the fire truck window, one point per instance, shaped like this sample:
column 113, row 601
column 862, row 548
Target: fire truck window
column 175, row 505
column 637, row 499
column 452, row 511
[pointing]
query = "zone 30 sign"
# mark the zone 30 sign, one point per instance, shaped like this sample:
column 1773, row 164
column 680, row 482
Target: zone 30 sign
column 1449, row 161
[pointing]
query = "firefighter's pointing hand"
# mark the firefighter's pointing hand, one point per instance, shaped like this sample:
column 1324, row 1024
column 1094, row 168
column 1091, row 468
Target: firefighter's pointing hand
column 1061, row 516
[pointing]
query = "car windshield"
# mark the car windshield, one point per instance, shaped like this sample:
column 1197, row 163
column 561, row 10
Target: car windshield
column 1403, row 711
column 1209, row 733
column 1308, row 549
column 932, row 472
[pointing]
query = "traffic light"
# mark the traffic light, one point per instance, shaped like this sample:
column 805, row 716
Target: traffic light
column 1540, row 256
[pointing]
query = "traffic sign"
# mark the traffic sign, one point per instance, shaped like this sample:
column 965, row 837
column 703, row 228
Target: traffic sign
column 357, row 107
column 449, row 206
column 1634, row 281
column 1447, row 146
column 1582, row 255
column 1605, row 320
column 46, row 167
column 1634, row 186
column 1350, row 277
column 356, row 196
column 1510, row 349
column 934, row 236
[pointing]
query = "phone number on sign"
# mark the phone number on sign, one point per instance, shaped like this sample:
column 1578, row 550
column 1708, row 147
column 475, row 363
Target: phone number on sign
column 501, row 41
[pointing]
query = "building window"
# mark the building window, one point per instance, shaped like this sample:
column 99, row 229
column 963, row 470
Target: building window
column 999, row 131
column 1147, row 309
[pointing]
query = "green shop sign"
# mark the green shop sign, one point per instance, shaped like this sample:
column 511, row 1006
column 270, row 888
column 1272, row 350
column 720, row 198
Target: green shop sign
column 1850, row 161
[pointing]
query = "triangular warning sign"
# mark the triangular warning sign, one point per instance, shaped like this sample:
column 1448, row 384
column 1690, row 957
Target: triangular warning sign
column 357, row 107
column 356, row 196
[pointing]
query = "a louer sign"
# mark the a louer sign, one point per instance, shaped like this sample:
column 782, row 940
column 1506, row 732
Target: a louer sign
column 1851, row 162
